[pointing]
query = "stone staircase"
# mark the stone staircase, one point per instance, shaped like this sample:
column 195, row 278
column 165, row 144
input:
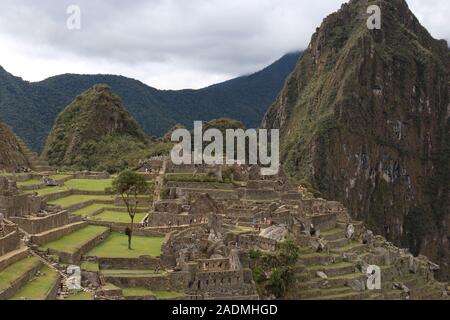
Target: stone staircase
column 36, row 163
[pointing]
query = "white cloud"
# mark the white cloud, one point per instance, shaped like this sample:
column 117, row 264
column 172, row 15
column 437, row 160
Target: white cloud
column 168, row 43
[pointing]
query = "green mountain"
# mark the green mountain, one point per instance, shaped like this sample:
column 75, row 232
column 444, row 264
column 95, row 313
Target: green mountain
column 364, row 120
column 95, row 132
column 245, row 98
column 11, row 154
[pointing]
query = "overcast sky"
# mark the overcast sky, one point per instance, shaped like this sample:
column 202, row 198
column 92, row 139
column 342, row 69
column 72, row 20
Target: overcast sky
column 168, row 44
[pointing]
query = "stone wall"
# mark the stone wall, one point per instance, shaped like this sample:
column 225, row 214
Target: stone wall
column 141, row 263
column 20, row 205
column 324, row 221
column 159, row 219
column 35, row 225
column 55, row 234
column 11, row 241
column 250, row 241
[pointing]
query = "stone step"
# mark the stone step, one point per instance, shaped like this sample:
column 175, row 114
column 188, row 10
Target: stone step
column 331, row 282
column 333, row 234
column 12, row 257
column 310, row 259
column 353, row 247
column 17, row 275
column 332, row 270
column 338, row 243
column 345, row 296
column 57, row 233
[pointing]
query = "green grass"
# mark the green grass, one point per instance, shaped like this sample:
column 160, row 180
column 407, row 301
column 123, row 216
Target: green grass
column 136, row 292
column 14, row 271
column 30, row 182
column 89, row 266
column 39, row 287
column 80, row 296
column 168, row 294
column 89, row 210
column 143, row 292
column 48, row 190
column 133, row 273
column 116, row 246
column 78, row 198
column 71, row 243
column 89, row 184
column 118, row 217
column 58, row 177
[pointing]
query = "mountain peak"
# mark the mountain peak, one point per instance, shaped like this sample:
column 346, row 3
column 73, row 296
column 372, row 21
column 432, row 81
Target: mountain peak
column 95, row 122
column 364, row 121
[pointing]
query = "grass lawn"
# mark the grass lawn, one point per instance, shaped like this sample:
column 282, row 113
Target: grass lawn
column 71, row 243
column 78, row 198
column 89, row 184
column 136, row 292
column 39, row 286
column 48, row 190
column 80, row 296
column 116, row 246
column 119, row 217
column 89, row 266
column 58, row 177
column 168, row 294
column 89, row 210
column 30, row 182
column 14, row 271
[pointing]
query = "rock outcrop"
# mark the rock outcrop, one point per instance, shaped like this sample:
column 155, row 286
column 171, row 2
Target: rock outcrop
column 364, row 120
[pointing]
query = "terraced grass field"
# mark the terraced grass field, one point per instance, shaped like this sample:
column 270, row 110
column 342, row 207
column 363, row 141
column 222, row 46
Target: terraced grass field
column 14, row 271
column 89, row 184
column 30, row 182
column 80, row 296
column 79, row 198
column 116, row 246
column 71, row 243
column 39, row 287
column 118, row 217
column 48, row 190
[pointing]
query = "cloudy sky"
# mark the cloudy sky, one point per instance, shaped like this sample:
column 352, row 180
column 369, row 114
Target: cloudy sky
column 168, row 44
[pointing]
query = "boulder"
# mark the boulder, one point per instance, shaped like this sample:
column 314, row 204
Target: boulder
column 356, row 285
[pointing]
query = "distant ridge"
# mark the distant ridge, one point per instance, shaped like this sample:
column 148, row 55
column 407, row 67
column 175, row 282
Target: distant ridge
column 245, row 98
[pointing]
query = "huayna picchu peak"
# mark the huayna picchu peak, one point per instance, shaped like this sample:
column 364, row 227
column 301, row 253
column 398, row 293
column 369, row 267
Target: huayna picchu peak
column 364, row 120
column 95, row 132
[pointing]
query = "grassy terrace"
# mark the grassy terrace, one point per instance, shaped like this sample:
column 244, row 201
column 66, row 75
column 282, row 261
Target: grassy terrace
column 89, row 184
column 118, row 217
column 14, row 271
column 116, row 246
column 30, row 182
column 71, row 243
column 143, row 292
column 91, row 209
column 78, row 198
column 39, row 287
column 48, row 190
column 80, row 296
